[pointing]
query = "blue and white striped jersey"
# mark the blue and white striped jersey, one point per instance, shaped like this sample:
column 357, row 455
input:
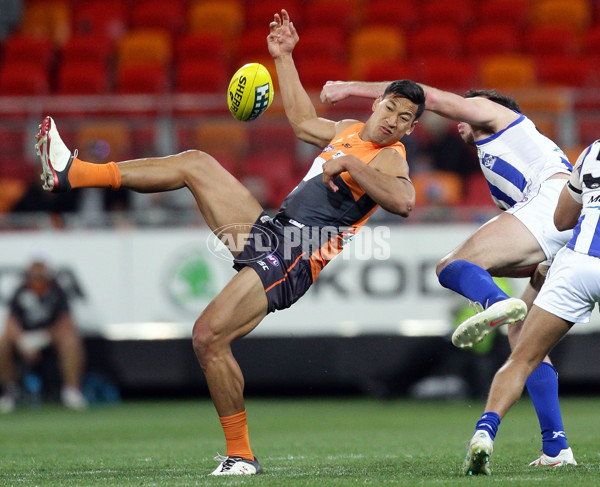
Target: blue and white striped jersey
column 585, row 181
column 516, row 160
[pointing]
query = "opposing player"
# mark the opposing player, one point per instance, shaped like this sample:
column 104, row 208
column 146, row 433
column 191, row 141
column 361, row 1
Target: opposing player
column 362, row 165
column 568, row 296
column 526, row 172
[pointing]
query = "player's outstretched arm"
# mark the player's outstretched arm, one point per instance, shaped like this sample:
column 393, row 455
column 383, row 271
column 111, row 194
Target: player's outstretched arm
column 385, row 179
column 299, row 108
column 476, row 111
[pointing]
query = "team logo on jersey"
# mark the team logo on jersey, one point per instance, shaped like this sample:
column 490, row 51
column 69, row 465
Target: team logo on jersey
column 338, row 154
column 488, row 161
column 591, row 181
column 273, row 260
column 329, row 148
column 347, row 146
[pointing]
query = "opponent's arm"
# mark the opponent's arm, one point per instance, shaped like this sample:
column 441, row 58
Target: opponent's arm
column 299, row 108
column 385, row 179
column 476, row 111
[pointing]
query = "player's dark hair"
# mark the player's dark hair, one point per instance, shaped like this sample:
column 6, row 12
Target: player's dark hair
column 496, row 97
column 405, row 88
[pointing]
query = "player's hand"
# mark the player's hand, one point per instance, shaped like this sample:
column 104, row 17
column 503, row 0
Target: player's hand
column 283, row 36
column 331, row 170
column 334, row 91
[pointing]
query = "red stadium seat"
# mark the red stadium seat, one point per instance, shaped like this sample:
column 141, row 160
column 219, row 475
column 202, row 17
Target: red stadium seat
column 23, row 48
column 158, row 14
column 201, row 47
column 434, row 41
column 449, row 74
column 276, row 170
column 509, row 12
column 105, row 18
column 251, row 44
column 324, row 45
column 260, row 14
column 324, row 14
column 567, row 71
column 23, row 78
column 477, row 191
column 458, row 12
column 82, row 78
column 493, row 39
column 383, row 71
column 195, row 76
column 226, row 140
column 384, row 12
column 545, row 40
column 591, row 43
column 142, row 79
column 86, row 48
column 315, row 74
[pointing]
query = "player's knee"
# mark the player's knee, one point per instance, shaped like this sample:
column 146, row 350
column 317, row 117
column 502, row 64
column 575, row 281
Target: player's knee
column 442, row 263
column 204, row 338
column 197, row 162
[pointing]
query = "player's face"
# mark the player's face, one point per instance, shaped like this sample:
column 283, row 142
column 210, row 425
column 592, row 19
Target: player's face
column 392, row 119
column 466, row 133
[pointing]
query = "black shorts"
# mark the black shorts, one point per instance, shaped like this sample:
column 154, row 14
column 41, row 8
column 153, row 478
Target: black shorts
column 283, row 268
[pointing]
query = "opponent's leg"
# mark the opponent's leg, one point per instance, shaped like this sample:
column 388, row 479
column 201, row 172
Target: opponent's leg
column 542, row 386
column 222, row 199
column 236, row 311
column 503, row 244
column 540, row 333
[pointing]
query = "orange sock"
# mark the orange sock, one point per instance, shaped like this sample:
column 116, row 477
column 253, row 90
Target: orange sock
column 235, row 428
column 87, row 175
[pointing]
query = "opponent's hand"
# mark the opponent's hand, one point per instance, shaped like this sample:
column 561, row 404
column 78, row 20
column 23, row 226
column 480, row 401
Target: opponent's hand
column 334, row 91
column 283, row 36
column 331, row 170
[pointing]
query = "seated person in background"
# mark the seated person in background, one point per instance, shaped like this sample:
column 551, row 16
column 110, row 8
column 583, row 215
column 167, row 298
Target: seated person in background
column 39, row 316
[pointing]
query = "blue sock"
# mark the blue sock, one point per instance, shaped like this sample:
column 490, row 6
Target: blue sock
column 489, row 422
column 472, row 281
column 542, row 386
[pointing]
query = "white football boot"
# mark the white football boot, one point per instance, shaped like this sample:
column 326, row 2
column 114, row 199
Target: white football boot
column 477, row 327
column 236, row 466
column 564, row 457
column 479, row 450
column 55, row 157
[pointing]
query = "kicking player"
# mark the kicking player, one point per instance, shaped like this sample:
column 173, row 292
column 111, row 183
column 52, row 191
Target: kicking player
column 361, row 166
column 525, row 172
column 568, row 296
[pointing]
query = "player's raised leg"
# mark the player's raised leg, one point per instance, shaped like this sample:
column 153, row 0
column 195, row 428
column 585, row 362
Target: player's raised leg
column 500, row 246
column 221, row 198
column 235, row 312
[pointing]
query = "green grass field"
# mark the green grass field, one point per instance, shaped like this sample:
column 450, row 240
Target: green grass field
column 299, row 442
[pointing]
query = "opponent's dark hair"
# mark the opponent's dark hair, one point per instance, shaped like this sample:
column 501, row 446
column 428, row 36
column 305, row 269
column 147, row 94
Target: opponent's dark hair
column 496, row 97
column 405, row 88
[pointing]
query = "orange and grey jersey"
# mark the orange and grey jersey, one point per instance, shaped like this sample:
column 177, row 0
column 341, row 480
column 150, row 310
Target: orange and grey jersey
column 314, row 208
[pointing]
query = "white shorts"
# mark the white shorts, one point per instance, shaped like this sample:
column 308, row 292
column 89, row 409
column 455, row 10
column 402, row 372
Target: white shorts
column 572, row 286
column 537, row 214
